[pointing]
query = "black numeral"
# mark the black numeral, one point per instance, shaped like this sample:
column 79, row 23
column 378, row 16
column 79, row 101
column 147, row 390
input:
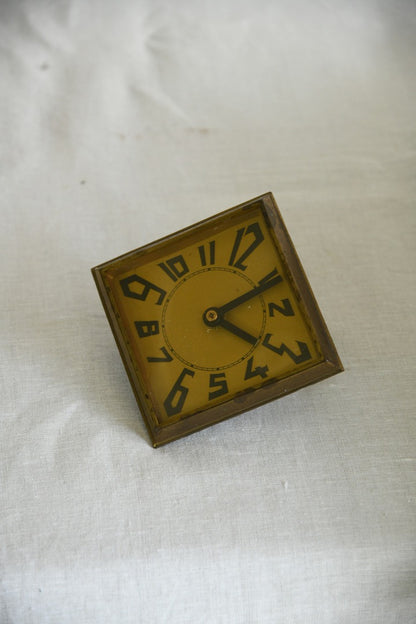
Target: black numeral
column 285, row 309
column 129, row 282
column 217, row 380
column 166, row 356
column 207, row 258
column 255, row 229
column 175, row 400
column 175, row 267
column 260, row 371
column 273, row 277
column 303, row 355
column 147, row 328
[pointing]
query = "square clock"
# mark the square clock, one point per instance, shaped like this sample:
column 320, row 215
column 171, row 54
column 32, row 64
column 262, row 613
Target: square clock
column 215, row 319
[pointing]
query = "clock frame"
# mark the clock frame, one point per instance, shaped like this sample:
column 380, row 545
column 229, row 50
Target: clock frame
column 188, row 268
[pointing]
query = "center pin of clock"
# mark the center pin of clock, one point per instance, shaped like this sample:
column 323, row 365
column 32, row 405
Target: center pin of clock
column 212, row 317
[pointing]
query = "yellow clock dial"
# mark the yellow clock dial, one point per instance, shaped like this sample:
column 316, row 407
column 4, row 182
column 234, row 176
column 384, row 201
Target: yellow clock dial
column 191, row 320
column 211, row 315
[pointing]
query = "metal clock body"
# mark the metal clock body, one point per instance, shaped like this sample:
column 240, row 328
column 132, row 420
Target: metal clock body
column 215, row 319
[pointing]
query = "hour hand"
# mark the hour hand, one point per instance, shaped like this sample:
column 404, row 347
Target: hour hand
column 238, row 331
column 214, row 318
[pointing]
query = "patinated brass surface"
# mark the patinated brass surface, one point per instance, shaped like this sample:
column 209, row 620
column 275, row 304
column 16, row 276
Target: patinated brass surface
column 215, row 319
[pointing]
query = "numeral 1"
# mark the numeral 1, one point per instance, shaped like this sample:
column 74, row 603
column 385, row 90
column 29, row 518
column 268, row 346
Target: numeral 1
column 272, row 277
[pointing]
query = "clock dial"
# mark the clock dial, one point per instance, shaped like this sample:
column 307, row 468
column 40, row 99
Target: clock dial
column 209, row 316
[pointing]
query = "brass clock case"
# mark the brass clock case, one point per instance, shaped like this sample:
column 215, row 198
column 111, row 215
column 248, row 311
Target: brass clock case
column 215, row 319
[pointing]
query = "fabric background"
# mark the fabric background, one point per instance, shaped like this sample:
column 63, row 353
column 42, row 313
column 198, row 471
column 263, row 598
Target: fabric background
column 125, row 121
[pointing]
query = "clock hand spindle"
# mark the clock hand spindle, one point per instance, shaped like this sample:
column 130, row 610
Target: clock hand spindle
column 213, row 317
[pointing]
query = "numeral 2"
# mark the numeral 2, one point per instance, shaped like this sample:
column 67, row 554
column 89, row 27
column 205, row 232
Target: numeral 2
column 285, row 309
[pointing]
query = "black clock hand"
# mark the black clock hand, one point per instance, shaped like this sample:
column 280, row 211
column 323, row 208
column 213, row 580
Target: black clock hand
column 215, row 316
column 237, row 331
column 267, row 282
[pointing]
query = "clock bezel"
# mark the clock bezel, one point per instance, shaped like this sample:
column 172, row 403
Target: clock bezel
column 251, row 398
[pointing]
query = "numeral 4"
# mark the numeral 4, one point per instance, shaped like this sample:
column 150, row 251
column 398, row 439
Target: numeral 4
column 258, row 371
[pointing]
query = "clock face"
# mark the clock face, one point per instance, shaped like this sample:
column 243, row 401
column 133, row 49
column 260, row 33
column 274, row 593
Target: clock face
column 215, row 319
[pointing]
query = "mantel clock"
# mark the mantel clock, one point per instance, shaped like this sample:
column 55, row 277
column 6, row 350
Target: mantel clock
column 215, row 319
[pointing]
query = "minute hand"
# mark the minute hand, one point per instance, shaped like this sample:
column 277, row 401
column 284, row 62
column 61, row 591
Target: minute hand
column 265, row 284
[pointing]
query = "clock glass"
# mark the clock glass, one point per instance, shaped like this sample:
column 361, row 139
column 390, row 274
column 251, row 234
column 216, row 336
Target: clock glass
column 215, row 319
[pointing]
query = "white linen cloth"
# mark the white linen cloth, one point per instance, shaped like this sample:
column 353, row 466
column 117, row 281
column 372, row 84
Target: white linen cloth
column 125, row 121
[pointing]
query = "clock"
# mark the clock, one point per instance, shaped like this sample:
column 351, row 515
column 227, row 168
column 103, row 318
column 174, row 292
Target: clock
column 215, row 319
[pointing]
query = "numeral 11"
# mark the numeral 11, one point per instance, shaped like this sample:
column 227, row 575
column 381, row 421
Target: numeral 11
column 211, row 253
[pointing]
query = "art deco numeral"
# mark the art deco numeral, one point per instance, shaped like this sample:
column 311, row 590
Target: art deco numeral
column 260, row 371
column 175, row 267
column 128, row 283
column 304, row 353
column 285, row 309
column 273, row 277
column 147, row 328
column 175, row 400
column 217, row 380
column 254, row 229
column 207, row 256
column 166, row 356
